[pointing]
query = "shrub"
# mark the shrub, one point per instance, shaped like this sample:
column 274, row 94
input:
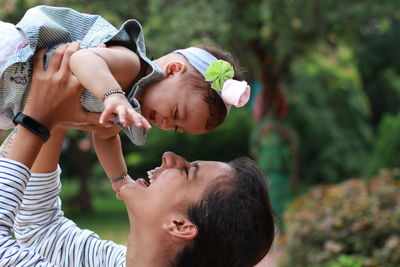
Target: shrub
column 357, row 218
column 344, row 261
column 386, row 148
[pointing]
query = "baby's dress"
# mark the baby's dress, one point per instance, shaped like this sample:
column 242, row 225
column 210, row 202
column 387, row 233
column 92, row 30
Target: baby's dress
column 45, row 26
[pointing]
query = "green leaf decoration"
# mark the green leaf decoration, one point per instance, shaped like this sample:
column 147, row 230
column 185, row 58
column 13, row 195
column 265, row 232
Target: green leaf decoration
column 219, row 72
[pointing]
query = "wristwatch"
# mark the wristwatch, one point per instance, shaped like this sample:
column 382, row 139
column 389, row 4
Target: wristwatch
column 32, row 125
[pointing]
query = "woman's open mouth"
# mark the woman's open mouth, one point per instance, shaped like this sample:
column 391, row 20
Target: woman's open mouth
column 142, row 182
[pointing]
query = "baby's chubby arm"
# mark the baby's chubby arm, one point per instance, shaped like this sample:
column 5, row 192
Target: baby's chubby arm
column 108, row 149
column 109, row 152
column 101, row 70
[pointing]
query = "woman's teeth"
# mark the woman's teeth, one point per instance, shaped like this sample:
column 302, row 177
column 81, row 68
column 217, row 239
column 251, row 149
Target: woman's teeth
column 150, row 174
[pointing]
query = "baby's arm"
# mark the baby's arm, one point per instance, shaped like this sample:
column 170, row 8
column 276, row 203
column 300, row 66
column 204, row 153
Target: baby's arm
column 108, row 149
column 102, row 70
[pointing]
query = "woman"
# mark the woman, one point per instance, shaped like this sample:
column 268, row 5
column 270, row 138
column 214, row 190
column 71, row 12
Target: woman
column 193, row 214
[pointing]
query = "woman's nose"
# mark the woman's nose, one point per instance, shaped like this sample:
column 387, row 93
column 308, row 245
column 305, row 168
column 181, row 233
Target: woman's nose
column 171, row 160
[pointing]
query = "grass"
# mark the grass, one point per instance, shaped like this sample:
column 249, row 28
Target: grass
column 109, row 219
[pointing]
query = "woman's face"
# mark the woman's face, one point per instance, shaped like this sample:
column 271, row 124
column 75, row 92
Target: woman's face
column 174, row 186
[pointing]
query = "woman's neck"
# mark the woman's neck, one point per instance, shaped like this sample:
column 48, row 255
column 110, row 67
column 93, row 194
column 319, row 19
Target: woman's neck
column 147, row 250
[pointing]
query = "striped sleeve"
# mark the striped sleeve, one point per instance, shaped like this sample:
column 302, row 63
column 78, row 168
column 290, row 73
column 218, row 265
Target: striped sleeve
column 42, row 227
column 13, row 179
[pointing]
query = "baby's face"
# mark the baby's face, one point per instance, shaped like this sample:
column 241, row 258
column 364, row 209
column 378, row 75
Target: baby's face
column 168, row 105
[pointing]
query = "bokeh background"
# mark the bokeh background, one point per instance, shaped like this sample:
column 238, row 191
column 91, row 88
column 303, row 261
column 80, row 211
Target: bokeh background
column 323, row 122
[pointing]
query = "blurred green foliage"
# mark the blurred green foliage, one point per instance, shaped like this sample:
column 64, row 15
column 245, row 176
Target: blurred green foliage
column 344, row 260
column 358, row 218
column 275, row 147
column 386, row 148
column 329, row 113
column 378, row 61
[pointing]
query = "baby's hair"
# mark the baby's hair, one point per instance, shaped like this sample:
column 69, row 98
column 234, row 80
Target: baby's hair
column 216, row 106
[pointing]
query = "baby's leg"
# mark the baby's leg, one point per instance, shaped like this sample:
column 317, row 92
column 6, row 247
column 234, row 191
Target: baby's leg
column 11, row 40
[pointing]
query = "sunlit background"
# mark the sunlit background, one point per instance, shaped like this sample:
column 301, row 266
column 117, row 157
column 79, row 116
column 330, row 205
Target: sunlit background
column 323, row 122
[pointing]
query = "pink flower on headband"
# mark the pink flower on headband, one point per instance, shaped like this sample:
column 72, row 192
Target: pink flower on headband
column 235, row 92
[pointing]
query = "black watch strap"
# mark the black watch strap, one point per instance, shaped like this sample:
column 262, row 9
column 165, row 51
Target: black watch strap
column 32, row 125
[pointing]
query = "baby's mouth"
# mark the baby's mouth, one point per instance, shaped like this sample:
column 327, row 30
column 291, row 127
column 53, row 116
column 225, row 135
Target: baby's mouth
column 152, row 116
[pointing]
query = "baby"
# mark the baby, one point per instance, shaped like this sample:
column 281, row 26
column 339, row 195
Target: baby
column 189, row 90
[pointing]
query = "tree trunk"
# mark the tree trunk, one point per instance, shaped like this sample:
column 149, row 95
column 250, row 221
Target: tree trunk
column 272, row 97
column 82, row 160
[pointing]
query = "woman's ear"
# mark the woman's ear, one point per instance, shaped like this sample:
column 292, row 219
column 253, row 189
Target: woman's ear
column 181, row 228
column 173, row 67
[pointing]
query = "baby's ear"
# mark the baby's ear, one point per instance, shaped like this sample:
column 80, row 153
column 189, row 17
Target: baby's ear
column 174, row 67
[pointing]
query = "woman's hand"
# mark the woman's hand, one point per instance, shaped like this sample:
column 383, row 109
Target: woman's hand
column 55, row 92
column 104, row 132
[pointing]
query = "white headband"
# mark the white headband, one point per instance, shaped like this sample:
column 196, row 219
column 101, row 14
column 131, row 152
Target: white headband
column 200, row 59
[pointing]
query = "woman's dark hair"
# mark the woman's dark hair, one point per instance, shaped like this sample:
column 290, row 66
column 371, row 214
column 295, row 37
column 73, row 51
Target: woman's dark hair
column 235, row 221
column 216, row 106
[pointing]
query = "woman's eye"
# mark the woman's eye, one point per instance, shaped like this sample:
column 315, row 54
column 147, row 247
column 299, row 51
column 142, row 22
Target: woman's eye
column 187, row 170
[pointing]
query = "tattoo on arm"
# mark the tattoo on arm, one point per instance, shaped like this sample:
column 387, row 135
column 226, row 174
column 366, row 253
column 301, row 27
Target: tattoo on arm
column 7, row 143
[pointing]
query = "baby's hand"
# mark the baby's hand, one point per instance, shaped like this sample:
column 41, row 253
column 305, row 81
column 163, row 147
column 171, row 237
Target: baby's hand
column 118, row 105
column 117, row 186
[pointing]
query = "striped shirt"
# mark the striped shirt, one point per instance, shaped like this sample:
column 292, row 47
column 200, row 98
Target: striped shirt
column 46, row 26
column 45, row 237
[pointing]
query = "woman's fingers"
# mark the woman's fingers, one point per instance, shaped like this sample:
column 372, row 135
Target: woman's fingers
column 106, row 133
column 56, row 58
column 56, row 88
column 38, row 60
column 72, row 48
column 59, row 59
column 90, row 117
